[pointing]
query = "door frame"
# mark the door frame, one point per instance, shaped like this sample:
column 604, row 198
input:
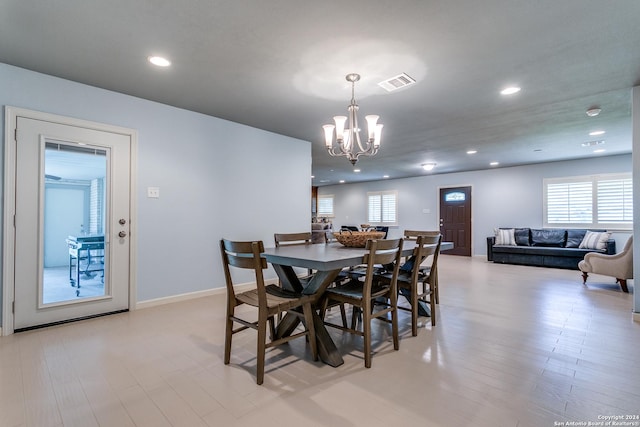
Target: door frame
column 444, row 187
column 9, row 202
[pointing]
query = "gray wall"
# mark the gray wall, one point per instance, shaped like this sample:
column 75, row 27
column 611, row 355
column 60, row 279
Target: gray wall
column 505, row 197
column 217, row 178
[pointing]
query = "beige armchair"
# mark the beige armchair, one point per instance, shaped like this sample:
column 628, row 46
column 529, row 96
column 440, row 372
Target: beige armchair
column 619, row 265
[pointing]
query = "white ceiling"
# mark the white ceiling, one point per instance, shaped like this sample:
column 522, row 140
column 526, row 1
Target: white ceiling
column 279, row 65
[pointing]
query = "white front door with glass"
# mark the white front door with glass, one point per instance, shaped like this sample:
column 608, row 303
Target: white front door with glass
column 72, row 222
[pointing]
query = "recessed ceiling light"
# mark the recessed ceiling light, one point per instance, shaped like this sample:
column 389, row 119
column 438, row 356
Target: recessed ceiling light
column 510, row 90
column 596, row 133
column 599, row 150
column 356, row 170
column 159, row 61
column 494, row 163
column 472, row 151
column 385, row 176
column 593, row 111
column 341, row 181
column 428, row 166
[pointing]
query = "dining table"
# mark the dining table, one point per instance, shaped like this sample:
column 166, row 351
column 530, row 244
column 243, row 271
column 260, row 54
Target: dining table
column 326, row 261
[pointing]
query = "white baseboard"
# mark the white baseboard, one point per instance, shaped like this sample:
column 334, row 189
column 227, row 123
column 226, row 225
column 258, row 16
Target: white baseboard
column 177, row 298
column 193, row 295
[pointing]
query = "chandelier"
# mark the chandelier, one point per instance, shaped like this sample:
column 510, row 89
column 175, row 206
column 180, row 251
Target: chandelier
column 348, row 140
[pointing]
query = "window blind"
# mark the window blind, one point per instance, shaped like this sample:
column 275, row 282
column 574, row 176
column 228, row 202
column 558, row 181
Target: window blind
column 382, row 208
column 325, row 205
column 600, row 201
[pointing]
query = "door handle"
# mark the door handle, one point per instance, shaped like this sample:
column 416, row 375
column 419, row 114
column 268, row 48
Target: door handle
column 122, row 221
column 122, row 234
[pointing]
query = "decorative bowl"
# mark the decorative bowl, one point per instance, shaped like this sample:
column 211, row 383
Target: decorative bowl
column 357, row 239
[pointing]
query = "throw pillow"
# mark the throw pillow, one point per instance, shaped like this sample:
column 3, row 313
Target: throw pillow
column 593, row 240
column 522, row 237
column 575, row 237
column 505, row 236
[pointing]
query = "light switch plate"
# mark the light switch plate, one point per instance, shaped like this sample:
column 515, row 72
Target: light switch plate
column 153, row 192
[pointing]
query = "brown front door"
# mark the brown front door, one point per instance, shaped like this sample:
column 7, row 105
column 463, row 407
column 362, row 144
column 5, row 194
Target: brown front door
column 455, row 219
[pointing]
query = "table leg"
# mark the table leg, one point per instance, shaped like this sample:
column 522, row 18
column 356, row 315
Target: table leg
column 327, row 349
column 423, row 307
column 288, row 278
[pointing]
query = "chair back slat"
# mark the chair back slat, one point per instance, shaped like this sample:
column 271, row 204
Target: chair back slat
column 414, row 234
column 282, row 239
column 244, row 255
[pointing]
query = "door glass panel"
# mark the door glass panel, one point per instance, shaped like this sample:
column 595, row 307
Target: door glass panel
column 455, row 196
column 73, row 248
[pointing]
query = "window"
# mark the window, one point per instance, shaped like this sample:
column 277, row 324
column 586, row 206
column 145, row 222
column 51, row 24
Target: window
column 382, row 208
column 600, row 201
column 325, row 205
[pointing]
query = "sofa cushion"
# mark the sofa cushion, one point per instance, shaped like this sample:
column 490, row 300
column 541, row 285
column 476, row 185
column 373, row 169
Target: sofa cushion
column 541, row 250
column 522, row 237
column 547, row 237
column 595, row 240
column 505, row 236
column 574, row 238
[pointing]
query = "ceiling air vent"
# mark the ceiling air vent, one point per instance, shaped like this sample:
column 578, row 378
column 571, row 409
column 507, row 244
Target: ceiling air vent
column 592, row 143
column 397, row 82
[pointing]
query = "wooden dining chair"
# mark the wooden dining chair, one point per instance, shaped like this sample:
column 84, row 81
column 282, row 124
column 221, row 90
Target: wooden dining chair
column 417, row 284
column 294, row 239
column 432, row 237
column 361, row 294
column 270, row 301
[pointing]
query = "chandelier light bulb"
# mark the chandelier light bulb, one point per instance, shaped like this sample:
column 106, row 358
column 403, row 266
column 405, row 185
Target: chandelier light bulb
column 340, row 121
column 328, row 135
column 377, row 135
column 371, row 125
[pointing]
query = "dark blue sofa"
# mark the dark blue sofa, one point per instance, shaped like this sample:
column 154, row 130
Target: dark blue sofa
column 557, row 248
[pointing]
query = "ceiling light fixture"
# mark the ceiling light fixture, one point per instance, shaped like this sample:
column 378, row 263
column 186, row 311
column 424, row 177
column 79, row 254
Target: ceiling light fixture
column 597, row 133
column 510, row 90
column 594, row 111
column 349, row 143
column 472, row 151
column 428, row 166
column 159, row 61
column 494, row 163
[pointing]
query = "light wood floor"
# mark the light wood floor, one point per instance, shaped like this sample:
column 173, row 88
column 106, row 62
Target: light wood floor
column 514, row 346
